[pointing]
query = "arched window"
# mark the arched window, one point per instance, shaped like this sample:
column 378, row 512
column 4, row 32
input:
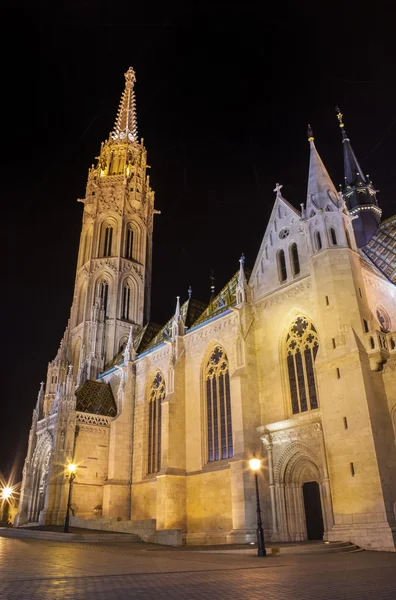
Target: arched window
column 128, row 242
column 282, row 271
column 318, row 240
column 294, row 259
column 156, row 396
column 126, row 301
column 333, row 236
column 302, row 347
column 104, row 294
column 218, row 407
column 106, row 240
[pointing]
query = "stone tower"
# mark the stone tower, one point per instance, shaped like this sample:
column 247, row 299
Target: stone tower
column 359, row 193
column 113, row 279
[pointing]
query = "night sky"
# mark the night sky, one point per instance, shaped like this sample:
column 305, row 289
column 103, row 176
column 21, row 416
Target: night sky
column 224, row 95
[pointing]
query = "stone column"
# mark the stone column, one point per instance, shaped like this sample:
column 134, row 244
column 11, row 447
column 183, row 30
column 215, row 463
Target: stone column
column 266, row 439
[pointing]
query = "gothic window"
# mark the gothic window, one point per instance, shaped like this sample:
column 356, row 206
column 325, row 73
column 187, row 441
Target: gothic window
column 266, row 252
column 282, row 271
column 156, row 396
column 106, row 239
column 129, row 242
column 126, row 301
column 218, row 407
column 302, row 347
column 294, row 259
column 104, row 294
column 318, row 240
column 333, row 236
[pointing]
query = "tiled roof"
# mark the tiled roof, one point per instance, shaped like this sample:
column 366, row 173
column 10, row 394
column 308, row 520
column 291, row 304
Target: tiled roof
column 96, row 398
column 381, row 249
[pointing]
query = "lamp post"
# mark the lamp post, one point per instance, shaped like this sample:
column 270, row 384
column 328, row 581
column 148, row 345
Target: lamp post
column 70, row 475
column 255, row 465
column 6, row 496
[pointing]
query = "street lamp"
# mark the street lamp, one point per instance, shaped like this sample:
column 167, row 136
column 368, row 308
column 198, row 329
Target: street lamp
column 255, row 465
column 6, row 493
column 70, row 475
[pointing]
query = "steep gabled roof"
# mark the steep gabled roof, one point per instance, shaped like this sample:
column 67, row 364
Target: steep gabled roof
column 190, row 311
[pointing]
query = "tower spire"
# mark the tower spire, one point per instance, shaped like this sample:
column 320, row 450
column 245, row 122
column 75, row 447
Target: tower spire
column 358, row 192
column 125, row 126
column 321, row 189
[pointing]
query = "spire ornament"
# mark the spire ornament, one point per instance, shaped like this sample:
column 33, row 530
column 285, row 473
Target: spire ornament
column 130, row 353
column 178, row 323
column 125, row 126
column 310, row 134
column 240, row 291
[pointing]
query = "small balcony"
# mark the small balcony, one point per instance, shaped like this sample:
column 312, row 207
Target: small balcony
column 380, row 347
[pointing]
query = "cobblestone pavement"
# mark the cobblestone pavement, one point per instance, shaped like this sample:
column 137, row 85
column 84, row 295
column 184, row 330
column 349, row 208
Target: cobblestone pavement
column 35, row 569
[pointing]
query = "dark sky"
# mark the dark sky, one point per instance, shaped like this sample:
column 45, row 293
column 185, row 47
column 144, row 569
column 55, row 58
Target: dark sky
column 224, row 95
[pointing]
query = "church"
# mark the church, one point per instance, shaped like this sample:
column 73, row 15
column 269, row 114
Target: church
column 293, row 363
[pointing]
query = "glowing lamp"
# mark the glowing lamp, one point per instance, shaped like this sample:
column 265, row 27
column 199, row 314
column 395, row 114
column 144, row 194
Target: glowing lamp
column 255, row 464
column 6, row 493
column 72, row 468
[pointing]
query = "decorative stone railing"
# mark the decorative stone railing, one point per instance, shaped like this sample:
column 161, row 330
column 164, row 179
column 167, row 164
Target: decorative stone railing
column 91, row 419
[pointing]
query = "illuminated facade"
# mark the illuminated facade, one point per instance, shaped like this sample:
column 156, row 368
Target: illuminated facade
column 295, row 362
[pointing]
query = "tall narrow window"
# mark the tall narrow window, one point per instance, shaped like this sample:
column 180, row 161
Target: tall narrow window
column 318, row 240
column 302, row 347
column 126, row 301
column 156, row 396
column 333, row 236
column 104, row 294
column 129, row 242
column 282, row 272
column 218, row 407
column 294, row 259
column 107, row 240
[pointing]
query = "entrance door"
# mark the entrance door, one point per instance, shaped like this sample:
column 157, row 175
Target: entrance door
column 313, row 510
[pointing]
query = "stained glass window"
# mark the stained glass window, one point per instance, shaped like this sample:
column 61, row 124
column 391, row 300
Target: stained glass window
column 302, row 346
column 157, row 395
column 218, row 407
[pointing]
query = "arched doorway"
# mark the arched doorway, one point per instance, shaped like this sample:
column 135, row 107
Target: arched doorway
column 41, row 461
column 313, row 510
column 300, row 498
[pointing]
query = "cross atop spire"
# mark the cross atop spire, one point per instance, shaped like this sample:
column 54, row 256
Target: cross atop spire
column 125, row 126
column 277, row 190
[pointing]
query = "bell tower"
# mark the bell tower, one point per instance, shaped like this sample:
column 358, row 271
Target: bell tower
column 359, row 193
column 113, row 278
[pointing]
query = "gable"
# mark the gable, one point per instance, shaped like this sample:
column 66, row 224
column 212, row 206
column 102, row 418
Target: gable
column 284, row 230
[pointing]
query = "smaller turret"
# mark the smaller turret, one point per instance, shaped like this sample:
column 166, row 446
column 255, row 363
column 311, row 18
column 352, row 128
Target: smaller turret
column 359, row 193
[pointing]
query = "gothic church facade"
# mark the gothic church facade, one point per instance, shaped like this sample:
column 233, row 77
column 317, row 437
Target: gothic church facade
column 294, row 364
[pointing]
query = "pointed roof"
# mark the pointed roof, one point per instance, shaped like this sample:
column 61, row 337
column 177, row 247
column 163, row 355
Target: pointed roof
column 352, row 170
column 125, row 126
column 321, row 189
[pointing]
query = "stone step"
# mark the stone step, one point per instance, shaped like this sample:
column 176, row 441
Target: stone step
column 52, row 536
